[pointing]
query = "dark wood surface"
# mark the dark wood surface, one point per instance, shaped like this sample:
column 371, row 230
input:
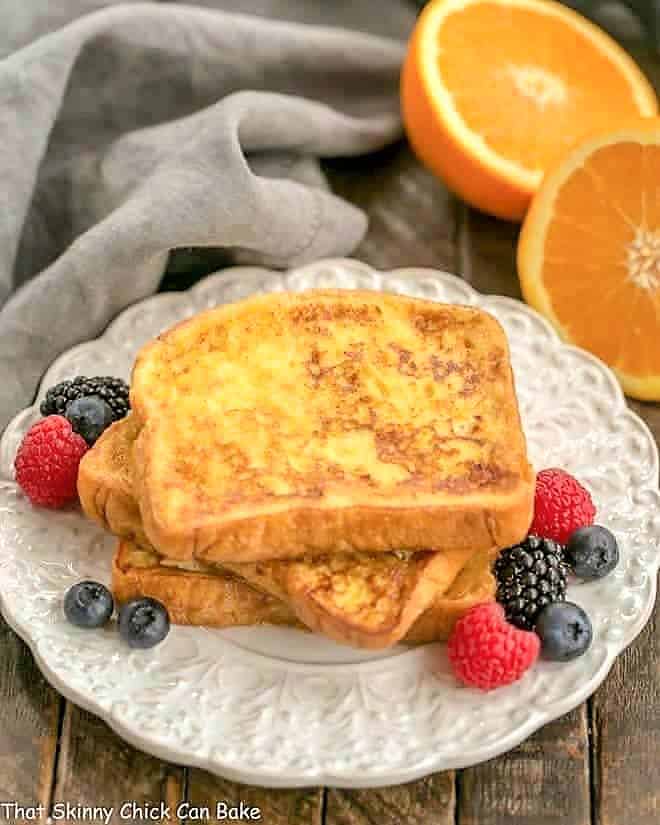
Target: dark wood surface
column 598, row 765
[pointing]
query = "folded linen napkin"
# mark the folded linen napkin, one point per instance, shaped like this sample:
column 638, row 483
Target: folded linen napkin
column 132, row 129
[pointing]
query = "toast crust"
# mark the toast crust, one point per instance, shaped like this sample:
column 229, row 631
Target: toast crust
column 220, row 600
column 329, row 421
column 365, row 599
column 309, row 533
column 105, row 482
column 193, row 598
column 106, row 493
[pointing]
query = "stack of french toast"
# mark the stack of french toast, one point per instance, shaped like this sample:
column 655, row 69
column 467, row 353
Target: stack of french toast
column 347, row 462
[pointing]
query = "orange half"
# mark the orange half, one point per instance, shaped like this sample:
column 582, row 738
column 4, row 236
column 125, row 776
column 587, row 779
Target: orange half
column 589, row 252
column 494, row 91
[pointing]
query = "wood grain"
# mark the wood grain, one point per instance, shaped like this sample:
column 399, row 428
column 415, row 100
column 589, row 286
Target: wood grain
column 96, row 767
column 29, row 717
column 626, row 720
column 412, row 217
column 544, row 781
column 278, row 807
column 650, row 413
column 431, row 801
column 487, row 253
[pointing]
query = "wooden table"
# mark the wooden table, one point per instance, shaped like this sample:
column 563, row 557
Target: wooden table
column 599, row 765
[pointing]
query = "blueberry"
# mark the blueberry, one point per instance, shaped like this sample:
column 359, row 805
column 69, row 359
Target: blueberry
column 565, row 631
column 592, row 552
column 89, row 416
column 88, row 604
column 143, row 623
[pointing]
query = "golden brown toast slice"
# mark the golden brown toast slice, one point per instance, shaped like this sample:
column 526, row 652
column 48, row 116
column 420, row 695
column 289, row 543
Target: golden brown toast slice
column 217, row 599
column 475, row 584
column 329, row 421
column 366, row 599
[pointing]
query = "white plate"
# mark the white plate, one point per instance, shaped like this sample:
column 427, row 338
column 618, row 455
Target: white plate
column 278, row 707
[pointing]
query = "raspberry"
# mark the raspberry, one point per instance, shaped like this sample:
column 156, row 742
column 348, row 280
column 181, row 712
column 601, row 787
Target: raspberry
column 487, row 652
column 561, row 506
column 47, row 462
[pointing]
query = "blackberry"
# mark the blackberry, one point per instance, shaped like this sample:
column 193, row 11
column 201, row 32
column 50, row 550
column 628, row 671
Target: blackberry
column 113, row 391
column 530, row 576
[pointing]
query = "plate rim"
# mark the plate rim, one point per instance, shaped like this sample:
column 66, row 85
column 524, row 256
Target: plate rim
column 429, row 765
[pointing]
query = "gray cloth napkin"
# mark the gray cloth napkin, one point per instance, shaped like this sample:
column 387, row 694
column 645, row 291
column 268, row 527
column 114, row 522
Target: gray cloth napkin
column 131, row 129
column 612, row 15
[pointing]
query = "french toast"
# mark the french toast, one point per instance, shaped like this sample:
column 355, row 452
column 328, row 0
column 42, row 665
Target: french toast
column 193, row 597
column 105, row 482
column 214, row 598
column 329, row 421
column 368, row 600
column 365, row 599
column 475, row 584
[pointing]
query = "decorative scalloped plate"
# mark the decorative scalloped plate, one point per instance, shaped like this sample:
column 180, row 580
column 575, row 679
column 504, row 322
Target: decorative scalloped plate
column 278, row 707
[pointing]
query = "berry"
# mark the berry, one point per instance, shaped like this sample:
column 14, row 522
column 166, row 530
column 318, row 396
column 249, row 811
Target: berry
column 89, row 416
column 113, row 391
column 88, row 604
column 592, row 552
column 143, row 623
column 486, row 652
column 47, row 462
column 561, row 506
column 564, row 630
column 530, row 576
